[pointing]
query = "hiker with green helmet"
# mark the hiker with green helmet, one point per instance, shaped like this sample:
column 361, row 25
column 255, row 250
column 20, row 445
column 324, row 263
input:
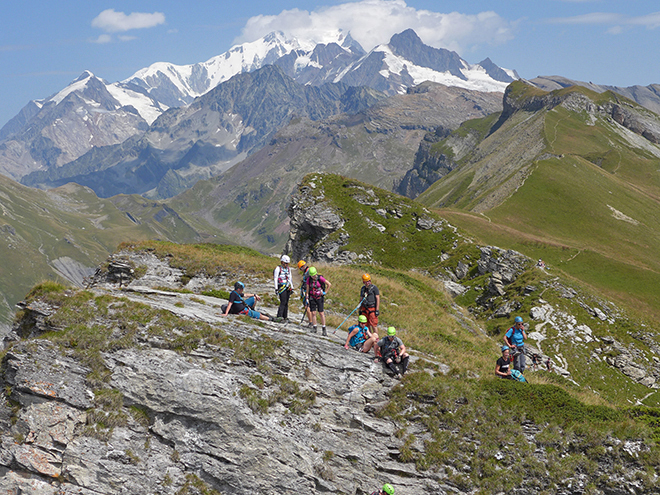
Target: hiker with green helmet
column 317, row 286
column 304, row 273
column 386, row 490
column 515, row 339
column 392, row 350
column 359, row 337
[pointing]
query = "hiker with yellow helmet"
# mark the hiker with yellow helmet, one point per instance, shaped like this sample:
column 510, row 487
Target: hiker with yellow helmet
column 359, row 337
column 392, row 350
column 386, row 490
column 370, row 297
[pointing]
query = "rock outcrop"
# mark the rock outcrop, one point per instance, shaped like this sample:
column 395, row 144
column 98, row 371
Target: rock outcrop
column 261, row 409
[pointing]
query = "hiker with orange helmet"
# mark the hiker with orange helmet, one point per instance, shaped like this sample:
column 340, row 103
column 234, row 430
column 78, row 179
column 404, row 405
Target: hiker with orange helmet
column 370, row 297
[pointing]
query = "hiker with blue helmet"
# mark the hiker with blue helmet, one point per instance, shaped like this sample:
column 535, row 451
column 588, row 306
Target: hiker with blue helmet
column 503, row 365
column 283, row 281
column 391, row 351
column 359, row 337
column 515, row 338
column 243, row 304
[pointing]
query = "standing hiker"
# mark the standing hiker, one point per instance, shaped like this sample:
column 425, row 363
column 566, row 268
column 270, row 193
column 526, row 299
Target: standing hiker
column 243, row 304
column 503, row 365
column 304, row 272
column 392, row 350
column 317, row 287
column 515, row 339
column 359, row 337
column 370, row 297
column 283, row 286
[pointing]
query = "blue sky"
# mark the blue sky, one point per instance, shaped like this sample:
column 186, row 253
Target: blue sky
column 45, row 44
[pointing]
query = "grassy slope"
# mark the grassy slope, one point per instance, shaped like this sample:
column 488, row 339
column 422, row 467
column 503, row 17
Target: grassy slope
column 564, row 212
column 39, row 227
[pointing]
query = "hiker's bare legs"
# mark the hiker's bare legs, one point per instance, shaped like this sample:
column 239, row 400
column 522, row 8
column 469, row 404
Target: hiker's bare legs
column 369, row 343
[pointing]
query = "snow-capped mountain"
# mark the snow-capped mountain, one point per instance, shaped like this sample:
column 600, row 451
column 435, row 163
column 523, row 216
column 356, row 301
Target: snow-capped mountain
column 178, row 85
column 89, row 112
column 406, row 61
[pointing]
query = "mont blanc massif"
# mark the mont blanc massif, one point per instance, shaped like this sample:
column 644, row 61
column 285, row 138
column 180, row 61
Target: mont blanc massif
column 467, row 195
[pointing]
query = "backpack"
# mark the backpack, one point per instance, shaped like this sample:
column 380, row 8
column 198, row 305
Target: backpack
column 311, row 282
column 517, row 375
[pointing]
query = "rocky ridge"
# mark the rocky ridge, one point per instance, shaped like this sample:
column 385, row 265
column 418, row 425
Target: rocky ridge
column 247, row 408
column 197, row 414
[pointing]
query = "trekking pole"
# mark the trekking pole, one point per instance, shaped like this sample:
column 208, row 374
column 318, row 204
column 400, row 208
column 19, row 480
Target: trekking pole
column 356, row 307
column 304, row 313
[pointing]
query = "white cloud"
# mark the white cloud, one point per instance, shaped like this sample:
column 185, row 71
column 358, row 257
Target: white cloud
column 126, row 38
column 112, row 22
column 616, row 21
column 650, row 21
column 104, row 38
column 453, row 31
column 592, row 18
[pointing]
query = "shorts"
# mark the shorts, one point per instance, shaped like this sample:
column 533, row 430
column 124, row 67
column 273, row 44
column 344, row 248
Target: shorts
column 316, row 304
column 370, row 313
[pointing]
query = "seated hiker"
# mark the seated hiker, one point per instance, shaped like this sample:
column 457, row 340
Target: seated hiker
column 317, row 287
column 515, row 338
column 243, row 304
column 392, row 350
column 386, row 490
column 503, row 365
column 359, row 337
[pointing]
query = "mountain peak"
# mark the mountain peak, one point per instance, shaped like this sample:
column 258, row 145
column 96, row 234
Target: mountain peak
column 408, row 45
column 85, row 75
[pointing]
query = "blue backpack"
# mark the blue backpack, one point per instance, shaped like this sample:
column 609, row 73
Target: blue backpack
column 517, row 375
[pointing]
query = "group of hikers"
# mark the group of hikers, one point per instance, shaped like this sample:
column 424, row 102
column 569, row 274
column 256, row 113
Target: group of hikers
column 513, row 352
column 362, row 336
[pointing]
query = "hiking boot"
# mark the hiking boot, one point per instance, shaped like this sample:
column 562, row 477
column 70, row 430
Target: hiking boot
column 278, row 319
column 397, row 376
column 323, row 332
column 313, row 330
